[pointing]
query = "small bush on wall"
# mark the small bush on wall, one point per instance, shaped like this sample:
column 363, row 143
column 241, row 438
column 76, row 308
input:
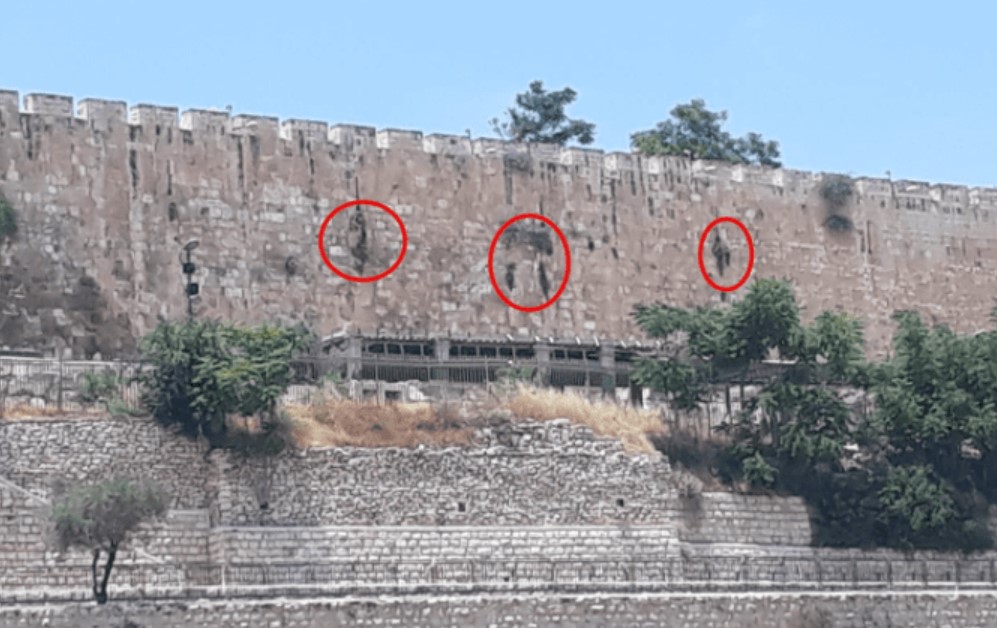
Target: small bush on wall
column 837, row 191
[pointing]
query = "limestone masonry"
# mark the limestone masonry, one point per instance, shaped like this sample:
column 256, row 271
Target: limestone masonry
column 534, row 523
column 955, row 610
column 106, row 195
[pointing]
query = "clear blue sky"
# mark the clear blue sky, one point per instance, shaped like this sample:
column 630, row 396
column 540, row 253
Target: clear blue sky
column 853, row 87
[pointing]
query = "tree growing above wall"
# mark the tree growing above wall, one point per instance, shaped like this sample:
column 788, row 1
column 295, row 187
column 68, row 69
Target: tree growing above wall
column 100, row 517
column 539, row 116
column 695, row 131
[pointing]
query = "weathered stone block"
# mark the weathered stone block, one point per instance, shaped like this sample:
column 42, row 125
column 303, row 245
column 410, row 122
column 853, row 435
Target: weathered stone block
column 48, row 104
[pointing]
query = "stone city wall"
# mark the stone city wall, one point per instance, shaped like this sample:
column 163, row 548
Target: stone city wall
column 107, row 195
column 851, row 610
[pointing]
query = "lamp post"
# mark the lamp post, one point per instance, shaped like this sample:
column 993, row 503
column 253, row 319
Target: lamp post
column 192, row 289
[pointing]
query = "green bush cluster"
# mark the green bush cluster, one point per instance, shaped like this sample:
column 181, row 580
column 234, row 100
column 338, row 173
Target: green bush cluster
column 206, row 372
column 916, row 472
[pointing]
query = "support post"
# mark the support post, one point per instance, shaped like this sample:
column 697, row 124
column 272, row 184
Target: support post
column 354, row 357
column 542, row 352
column 607, row 367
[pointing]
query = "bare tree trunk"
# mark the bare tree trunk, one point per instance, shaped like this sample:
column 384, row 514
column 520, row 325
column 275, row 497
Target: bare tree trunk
column 93, row 575
column 102, row 592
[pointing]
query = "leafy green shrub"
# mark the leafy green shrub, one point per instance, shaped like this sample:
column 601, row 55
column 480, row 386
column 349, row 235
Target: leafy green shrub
column 511, row 377
column 206, row 372
column 845, row 507
column 915, row 503
column 117, row 407
column 917, row 473
column 758, row 471
column 99, row 386
column 837, row 190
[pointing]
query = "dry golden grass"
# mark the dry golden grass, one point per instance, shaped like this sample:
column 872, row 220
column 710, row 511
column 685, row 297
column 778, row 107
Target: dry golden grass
column 342, row 423
column 22, row 412
column 630, row 425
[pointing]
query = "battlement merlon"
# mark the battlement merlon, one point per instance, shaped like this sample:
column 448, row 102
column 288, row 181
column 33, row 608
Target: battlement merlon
column 259, row 125
column 48, row 105
column 352, row 136
column 205, row 121
column 312, row 130
column 102, row 113
column 10, row 106
column 143, row 115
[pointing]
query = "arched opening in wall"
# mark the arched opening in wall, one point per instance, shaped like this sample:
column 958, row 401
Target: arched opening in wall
column 171, row 212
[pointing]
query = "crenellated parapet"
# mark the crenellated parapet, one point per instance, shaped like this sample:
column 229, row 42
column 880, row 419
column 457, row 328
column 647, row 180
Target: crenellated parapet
column 108, row 190
column 213, row 123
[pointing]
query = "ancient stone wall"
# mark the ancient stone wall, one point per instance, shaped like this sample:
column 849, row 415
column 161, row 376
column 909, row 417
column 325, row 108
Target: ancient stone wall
column 36, row 453
column 547, row 473
column 730, row 518
column 106, row 197
column 388, row 544
column 541, row 505
column 855, row 610
column 544, row 473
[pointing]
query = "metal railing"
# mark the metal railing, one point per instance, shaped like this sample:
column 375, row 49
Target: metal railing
column 51, row 383
column 740, row 573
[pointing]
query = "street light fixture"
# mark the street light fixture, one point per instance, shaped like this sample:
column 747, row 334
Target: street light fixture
column 189, row 268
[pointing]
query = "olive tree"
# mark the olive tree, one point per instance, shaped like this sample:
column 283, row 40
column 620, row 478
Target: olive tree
column 99, row 518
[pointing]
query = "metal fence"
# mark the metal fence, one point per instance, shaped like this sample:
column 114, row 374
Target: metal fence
column 662, row 574
column 754, row 572
column 67, row 385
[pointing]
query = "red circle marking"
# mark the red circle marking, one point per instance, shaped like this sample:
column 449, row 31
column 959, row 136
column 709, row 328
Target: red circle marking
column 751, row 254
column 491, row 263
column 354, row 278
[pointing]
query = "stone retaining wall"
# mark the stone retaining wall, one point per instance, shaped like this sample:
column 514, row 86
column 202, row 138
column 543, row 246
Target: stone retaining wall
column 731, row 518
column 540, row 473
column 273, row 545
column 847, row 610
column 35, row 453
